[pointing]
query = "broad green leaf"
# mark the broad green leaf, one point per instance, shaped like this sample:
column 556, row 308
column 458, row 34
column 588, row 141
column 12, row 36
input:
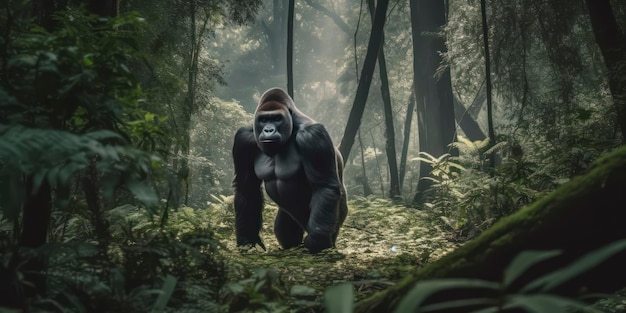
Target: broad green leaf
column 586, row 262
column 488, row 310
column 458, row 304
column 543, row 303
column 523, row 261
column 425, row 289
column 165, row 295
column 302, row 291
column 339, row 299
column 142, row 190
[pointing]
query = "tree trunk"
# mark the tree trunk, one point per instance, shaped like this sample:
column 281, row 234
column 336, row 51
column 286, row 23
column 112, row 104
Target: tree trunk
column 490, row 131
column 466, row 121
column 91, row 188
column 380, row 174
column 106, row 8
column 612, row 44
column 336, row 18
column 367, row 190
column 390, row 136
column 358, row 106
column 579, row 217
column 290, row 48
column 275, row 34
column 36, row 214
column 407, row 136
column 435, row 110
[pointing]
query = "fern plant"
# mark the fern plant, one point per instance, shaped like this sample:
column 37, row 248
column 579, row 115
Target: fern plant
column 537, row 295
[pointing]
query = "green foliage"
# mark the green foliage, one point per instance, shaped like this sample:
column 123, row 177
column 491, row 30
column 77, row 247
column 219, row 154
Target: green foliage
column 480, row 296
column 534, row 296
column 467, row 196
column 149, row 268
column 210, row 158
column 66, row 100
column 339, row 299
column 264, row 291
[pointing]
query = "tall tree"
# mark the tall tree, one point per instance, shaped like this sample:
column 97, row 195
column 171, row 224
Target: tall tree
column 407, row 135
column 275, row 30
column 490, row 131
column 390, row 137
column 358, row 106
column 435, row 110
column 290, row 16
column 612, row 43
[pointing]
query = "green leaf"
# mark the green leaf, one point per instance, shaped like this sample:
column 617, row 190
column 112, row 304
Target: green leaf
column 165, row 295
column 543, row 303
column 339, row 299
column 462, row 304
column 424, row 289
column 302, row 291
column 523, row 261
column 585, row 263
column 142, row 190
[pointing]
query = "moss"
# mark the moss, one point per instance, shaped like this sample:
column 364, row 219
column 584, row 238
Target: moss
column 561, row 220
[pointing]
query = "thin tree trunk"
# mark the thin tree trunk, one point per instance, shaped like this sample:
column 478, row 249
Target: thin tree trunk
column 390, row 136
column 36, row 214
column 407, row 136
column 612, row 44
column 336, row 18
column 358, row 106
column 290, row 17
column 466, row 121
column 367, row 190
column 490, row 131
column 91, row 188
column 380, row 174
column 275, row 35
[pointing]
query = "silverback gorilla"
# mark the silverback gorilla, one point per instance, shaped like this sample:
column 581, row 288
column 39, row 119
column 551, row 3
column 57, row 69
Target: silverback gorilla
column 302, row 171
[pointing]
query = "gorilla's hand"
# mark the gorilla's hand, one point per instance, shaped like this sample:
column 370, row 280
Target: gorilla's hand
column 243, row 241
column 316, row 242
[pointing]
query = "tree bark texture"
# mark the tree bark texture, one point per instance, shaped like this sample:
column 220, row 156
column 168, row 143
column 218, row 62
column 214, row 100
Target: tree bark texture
column 466, row 122
column 358, row 106
column 612, row 44
column 408, row 120
column 435, row 110
column 579, row 217
column 275, row 34
column 390, row 136
column 290, row 48
column 36, row 214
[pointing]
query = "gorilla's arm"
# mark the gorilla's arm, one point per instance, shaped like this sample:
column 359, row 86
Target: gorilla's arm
column 248, row 195
column 320, row 166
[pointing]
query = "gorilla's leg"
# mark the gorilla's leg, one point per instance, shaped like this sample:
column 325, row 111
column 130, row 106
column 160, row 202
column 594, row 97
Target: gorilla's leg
column 287, row 230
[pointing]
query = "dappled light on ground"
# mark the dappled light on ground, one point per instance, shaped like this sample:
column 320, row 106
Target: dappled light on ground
column 378, row 244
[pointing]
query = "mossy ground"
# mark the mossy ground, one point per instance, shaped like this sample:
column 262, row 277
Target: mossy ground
column 379, row 243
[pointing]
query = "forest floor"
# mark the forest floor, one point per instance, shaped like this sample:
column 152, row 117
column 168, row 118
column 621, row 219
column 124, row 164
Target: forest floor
column 378, row 244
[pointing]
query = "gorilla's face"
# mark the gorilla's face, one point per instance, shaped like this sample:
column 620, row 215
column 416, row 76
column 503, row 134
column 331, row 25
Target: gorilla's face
column 273, row 126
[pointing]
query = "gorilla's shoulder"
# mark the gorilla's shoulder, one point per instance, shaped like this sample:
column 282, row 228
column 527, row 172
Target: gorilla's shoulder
column 245, row 137
column 313, row 137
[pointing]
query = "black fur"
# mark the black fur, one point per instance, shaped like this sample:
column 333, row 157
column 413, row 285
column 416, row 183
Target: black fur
column 303, row 176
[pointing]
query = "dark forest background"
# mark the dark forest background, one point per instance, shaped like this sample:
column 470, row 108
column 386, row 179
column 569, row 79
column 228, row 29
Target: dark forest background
column 116, row 116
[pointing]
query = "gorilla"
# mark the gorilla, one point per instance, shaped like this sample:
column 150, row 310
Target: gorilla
column 302, row 172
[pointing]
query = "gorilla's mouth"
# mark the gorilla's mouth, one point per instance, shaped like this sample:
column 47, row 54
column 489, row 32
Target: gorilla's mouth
column 270, row 141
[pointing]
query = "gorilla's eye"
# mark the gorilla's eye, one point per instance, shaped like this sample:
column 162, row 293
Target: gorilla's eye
column 270, row 118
